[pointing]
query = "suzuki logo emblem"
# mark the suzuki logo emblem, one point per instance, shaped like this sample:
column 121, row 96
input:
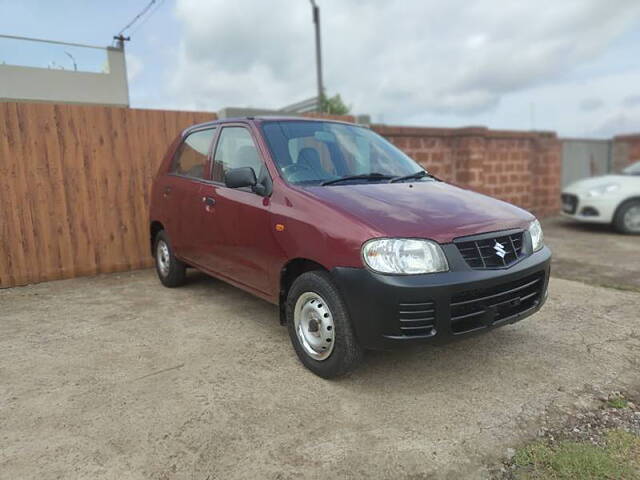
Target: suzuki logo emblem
column 500, row 251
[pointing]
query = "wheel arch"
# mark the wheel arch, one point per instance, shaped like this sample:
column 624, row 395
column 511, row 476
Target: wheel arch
column 154, row 228
column 635, row 198
column 288, row 274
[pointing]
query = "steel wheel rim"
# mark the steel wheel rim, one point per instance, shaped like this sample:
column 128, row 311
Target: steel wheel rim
column 632, row 218
column 313, row 323
column 163, row 258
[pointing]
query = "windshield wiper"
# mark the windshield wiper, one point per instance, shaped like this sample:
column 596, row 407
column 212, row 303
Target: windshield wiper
column 416, row 175
column 366, row 176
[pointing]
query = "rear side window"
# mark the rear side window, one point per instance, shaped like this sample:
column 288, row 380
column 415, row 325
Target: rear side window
column 236, row 149
column 191, row 158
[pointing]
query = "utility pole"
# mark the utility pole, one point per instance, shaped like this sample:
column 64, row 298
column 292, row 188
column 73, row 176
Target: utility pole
column 120, row 39
column 316, row 21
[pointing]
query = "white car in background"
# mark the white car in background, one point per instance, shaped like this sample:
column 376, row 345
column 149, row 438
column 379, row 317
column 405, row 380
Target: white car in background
column 613, row 199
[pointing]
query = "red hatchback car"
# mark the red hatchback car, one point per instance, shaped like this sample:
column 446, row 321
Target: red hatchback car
column 358, row 245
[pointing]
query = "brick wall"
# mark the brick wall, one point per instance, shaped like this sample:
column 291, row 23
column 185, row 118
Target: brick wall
column 523, row 168
column 626, row 150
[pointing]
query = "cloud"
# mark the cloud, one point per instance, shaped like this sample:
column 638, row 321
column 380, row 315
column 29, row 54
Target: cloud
column 631, row 101
column 591, row 104
column 403, row 59
column 134, row 67
column 618, row 124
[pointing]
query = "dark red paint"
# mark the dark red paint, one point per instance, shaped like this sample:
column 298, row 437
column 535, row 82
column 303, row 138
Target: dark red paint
column 237, row 241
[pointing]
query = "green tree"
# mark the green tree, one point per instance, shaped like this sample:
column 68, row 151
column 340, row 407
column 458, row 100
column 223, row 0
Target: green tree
column 334, row 105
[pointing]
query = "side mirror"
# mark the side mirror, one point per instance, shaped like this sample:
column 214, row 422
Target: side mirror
column 240, row 177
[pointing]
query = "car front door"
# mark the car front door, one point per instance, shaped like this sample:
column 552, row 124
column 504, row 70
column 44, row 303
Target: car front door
column 241, row 247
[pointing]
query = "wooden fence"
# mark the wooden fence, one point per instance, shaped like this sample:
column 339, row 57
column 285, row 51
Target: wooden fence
column 74, row 187
column 74, row 180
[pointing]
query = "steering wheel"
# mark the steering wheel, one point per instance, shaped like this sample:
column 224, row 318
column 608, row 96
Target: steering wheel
column 296, row 169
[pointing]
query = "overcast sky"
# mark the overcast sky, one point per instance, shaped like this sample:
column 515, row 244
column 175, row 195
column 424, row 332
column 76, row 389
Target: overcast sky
column 569, row 66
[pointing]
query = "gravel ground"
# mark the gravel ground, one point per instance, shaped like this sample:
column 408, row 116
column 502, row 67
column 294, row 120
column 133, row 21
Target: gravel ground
column 118, row 377
column 589, row 423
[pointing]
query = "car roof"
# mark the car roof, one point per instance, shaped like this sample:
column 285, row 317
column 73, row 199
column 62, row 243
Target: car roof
column 260, row 119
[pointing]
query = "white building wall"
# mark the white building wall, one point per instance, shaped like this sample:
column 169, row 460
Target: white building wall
column 18, row 83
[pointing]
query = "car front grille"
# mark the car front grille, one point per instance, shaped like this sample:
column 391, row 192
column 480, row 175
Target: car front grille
column 417, row 319
column 475, row 309
column 569, row 203
column 494, row 252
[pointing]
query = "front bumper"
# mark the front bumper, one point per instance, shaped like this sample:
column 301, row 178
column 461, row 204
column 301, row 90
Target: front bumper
column 388, row 311
column 588, row 209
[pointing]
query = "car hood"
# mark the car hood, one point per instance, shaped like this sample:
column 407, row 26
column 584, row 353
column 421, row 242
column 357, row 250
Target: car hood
column 434, row 210
column 592, row 182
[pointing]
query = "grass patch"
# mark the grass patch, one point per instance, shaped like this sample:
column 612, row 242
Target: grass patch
column 618, row 458
column 618, row 402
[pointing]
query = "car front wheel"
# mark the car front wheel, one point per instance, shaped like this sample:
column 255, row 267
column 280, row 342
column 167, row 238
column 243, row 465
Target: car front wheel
column 319, row 326
column 627, row 218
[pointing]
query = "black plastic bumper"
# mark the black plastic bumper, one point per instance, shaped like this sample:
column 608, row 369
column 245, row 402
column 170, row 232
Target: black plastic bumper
column 502, row 296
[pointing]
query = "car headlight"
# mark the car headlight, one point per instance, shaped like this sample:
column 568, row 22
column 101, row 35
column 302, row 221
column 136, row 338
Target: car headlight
column 537, row 238
column 407, row 256
column 603, row 189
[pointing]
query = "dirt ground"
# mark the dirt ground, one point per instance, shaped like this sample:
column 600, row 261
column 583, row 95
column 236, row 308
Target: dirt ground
column 594, row 254
column 117, row 377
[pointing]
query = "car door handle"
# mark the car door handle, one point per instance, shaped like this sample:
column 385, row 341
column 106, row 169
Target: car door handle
column 209, row 201
column 166, row 192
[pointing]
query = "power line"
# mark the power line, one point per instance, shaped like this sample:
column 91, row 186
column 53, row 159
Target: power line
column 145, row 19
column 137, row 17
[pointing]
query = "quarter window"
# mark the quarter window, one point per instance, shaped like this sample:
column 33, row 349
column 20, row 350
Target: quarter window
column 193, row 153
column 236, row 149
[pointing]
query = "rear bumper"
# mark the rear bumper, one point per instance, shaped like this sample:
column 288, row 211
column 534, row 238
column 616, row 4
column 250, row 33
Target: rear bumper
column 388, row 311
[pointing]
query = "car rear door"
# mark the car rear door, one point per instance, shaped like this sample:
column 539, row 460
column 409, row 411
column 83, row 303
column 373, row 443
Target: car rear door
column 188, row 172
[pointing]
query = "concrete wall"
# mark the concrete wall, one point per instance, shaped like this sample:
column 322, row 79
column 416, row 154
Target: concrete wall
column 584, row 157
column 233, row 112
column 18, row 83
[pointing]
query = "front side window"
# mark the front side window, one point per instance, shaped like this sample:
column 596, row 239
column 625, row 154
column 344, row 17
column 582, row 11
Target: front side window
column 191, row 158
column 236, row 149
column 310, row 153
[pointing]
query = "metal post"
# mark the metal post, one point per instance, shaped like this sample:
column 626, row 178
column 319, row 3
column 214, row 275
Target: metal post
column 120, row 39
column 73, row 60
column 316, row 21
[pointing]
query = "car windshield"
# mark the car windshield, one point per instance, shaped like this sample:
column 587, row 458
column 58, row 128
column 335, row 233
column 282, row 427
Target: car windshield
column 317, row 152
column 633, row 169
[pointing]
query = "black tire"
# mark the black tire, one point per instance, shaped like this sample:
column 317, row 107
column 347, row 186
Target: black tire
column 346, row 353
column 174, row 275
column 619, row 220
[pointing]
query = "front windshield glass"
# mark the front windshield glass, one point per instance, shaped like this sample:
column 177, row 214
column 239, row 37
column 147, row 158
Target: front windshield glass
column 633, row 169
column 312, row 153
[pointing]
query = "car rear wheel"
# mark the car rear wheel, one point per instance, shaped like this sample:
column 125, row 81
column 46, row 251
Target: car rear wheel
column 627, row 218
column 170, row 270
column 319, row 326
